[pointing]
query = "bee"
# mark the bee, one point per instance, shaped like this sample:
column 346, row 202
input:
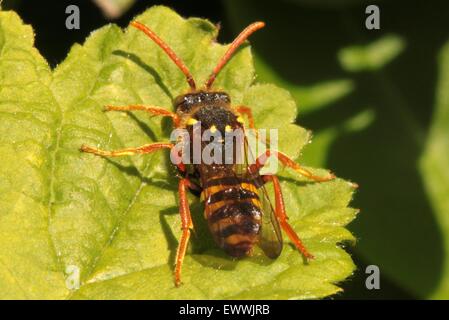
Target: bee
column 236, row 204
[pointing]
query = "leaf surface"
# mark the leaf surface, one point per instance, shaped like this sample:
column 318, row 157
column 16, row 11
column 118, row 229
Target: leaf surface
column 113, row 224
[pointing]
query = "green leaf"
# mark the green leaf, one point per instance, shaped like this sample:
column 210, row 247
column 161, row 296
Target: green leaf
column 115, row 222
column 312, row 97
column 434, row 164
column 373, row 56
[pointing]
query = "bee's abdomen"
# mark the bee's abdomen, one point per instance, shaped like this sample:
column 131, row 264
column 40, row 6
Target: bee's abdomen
column 234, row 216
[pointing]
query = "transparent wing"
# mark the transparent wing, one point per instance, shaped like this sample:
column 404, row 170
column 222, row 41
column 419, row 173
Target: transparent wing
column 271, row 236
column 270, row 240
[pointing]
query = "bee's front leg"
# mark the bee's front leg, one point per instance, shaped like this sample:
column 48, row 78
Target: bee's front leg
column 147, row 148
column 156, row 111
column 249, row 114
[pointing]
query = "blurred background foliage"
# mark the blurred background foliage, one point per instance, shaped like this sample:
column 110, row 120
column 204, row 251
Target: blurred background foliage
column 370, row 97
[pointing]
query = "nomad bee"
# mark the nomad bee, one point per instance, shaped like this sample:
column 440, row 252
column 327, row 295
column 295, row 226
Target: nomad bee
column 237, row 206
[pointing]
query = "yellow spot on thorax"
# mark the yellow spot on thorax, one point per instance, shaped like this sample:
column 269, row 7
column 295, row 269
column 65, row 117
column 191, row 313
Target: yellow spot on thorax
column 191, row 121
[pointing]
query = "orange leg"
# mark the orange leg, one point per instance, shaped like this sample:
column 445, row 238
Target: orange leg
column 248, row 113
column 282, row 216
column 147, row 148
column 157, row 111
column 186, row 226
column 286, row 161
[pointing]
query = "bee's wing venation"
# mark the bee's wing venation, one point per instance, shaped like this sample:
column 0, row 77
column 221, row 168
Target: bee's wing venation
column 271, row 236
column 270, row 239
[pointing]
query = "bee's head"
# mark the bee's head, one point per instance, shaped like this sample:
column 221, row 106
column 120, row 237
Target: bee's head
column 186, row 102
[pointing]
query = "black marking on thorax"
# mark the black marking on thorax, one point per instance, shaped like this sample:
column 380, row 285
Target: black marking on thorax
column 216, row 115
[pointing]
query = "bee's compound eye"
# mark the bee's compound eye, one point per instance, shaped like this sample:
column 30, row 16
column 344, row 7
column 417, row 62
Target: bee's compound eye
column 223, row 97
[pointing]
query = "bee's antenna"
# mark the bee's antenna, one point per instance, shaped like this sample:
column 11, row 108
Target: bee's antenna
column 234, row 46
column 168, row 51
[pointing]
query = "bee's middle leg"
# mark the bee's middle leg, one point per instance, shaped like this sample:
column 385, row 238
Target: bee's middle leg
column 288, row 162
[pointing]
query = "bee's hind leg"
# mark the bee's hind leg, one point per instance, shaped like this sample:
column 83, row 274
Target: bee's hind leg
column 186, row 226
column 282, row 217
